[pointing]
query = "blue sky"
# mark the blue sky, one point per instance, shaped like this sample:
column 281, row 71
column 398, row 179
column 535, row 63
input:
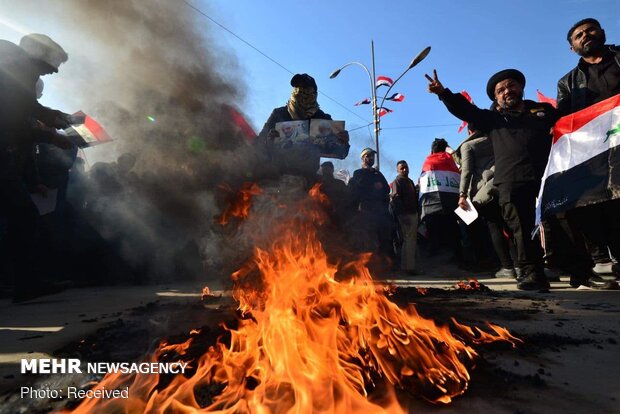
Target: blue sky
column 470, row 41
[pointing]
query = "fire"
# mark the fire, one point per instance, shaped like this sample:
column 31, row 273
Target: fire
column 241, row 203
column 310, row 343
column 471, row 284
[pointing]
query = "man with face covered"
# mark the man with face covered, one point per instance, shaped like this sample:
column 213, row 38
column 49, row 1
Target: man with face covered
column 302, row 105
column 595, row 78
column 520, row 132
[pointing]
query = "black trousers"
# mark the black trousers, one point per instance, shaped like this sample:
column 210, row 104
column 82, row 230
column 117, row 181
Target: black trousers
column 492, row 214
column 518, row 203
column 564, row 246
column 20, row 216
column 600, row 226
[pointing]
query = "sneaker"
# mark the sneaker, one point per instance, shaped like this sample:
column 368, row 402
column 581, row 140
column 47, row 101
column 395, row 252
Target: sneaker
column 603, row 269
column 533, row 282
column 504, row 272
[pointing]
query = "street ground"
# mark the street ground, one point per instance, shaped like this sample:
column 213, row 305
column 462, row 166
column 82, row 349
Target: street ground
column 567, row 363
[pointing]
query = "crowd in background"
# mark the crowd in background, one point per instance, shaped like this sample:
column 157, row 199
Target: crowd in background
column 497, row 170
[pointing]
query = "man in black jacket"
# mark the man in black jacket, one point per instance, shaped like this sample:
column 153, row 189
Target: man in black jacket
column 597, row 74
column 595, row 78
column 405, row 197
column 23, row 122
column 301, row 106
column 520, row 132
column 370, row 196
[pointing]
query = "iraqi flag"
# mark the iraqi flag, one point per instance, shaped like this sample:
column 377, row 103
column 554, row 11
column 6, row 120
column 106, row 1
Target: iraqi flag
column 383, row 111
column 87, row 133
column 397, row 97
column 439, row 185
column 384, row 81
column 584, row 162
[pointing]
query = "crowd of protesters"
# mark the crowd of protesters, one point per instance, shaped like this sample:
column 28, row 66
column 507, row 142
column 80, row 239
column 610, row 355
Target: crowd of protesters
column 499, row 173
column 497, row 170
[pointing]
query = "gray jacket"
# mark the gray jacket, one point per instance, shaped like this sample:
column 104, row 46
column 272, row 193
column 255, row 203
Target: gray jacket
column 476, row 163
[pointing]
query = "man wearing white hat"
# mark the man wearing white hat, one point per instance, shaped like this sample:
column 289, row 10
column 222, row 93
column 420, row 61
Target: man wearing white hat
column 21, row 117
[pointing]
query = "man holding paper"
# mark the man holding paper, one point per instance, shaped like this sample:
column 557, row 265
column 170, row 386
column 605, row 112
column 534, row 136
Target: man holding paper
column 477, row 186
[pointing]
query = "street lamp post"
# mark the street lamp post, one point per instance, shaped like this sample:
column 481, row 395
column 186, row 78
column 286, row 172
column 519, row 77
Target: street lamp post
column 373, row 89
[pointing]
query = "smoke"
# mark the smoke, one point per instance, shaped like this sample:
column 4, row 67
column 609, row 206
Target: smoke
column 149, row 74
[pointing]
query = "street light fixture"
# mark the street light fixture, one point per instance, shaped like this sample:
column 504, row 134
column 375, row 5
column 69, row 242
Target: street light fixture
column 373, row 90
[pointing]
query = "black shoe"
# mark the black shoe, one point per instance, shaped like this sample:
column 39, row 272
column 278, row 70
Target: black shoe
column 594, row 282
column 519, row 273
column 533, row 282
column 551, row 275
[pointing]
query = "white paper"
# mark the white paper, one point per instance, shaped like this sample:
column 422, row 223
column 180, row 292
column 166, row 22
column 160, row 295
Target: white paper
column 45, row 204
column 468, row 216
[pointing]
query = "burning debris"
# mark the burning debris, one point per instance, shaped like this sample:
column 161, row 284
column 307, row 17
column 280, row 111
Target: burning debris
column 307, row 341
column 471, row 284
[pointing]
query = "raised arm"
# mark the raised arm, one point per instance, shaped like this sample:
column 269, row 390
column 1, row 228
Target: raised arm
column 459, row 106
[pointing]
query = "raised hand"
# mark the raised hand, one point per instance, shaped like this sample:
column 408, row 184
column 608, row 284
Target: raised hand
column 434, row 85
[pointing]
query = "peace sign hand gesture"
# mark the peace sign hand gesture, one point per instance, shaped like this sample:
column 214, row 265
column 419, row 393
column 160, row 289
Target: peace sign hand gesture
column 434, row 85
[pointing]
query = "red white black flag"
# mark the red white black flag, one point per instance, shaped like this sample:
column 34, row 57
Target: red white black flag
column 383, row 111
column 366, row 101
column 397, row 97
column 582, row 167
column 88, row 133
column 384, row 81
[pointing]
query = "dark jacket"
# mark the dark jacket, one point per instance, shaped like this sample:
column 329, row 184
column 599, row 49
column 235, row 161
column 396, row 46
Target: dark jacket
column 281, row 115
column 404, row 195
column 370, row 190
column 20, row 112
column 521, row 140
column 572, row 87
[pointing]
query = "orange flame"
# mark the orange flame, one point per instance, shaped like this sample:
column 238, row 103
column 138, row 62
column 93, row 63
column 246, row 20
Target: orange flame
column 241, row 203
column 310, row 344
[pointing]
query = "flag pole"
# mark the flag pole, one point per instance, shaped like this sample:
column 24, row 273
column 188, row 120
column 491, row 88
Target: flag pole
column 375, row 113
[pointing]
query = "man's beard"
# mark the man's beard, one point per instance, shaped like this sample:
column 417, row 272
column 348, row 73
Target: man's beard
column 511, row 103
column 596, row 44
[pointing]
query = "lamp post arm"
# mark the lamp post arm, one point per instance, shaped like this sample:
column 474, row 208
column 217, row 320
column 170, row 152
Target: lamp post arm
column 391, row 86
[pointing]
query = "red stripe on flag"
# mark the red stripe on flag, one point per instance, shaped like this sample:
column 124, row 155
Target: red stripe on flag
column 573, row 122
column 440, row 161
column 96, row 129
